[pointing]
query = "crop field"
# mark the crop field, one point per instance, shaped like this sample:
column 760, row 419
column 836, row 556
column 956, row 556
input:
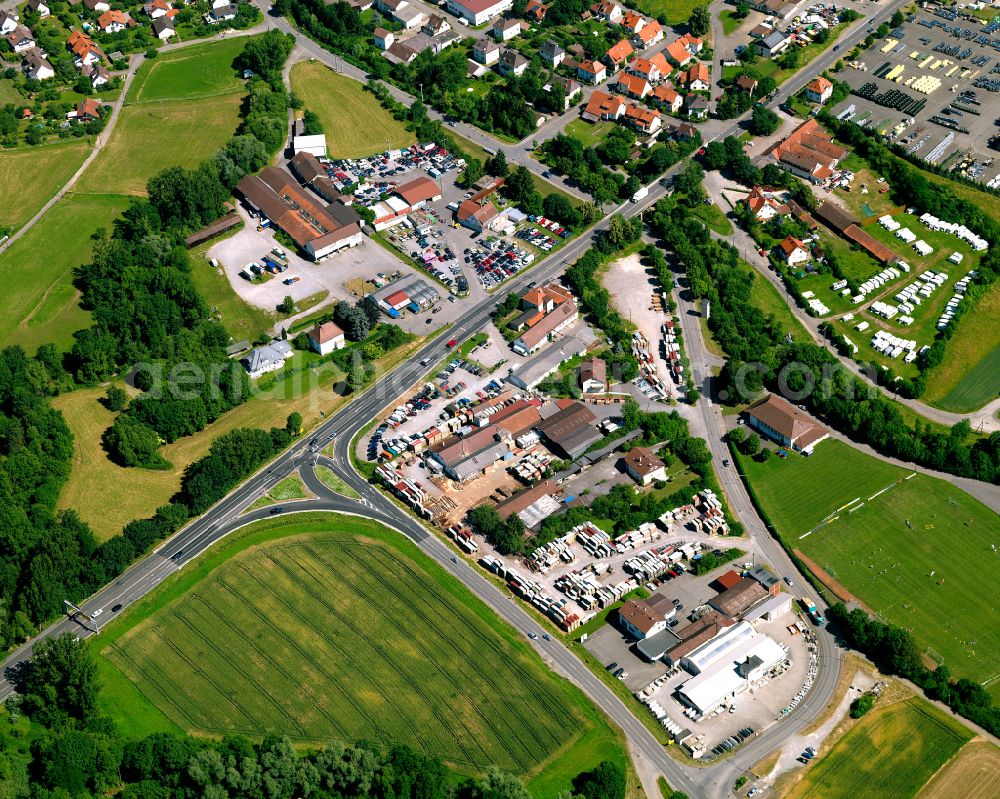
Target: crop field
column 353, row 121
column 150, row 137
column 39, row 302
column 967, row 378
column 893, row 751
column 200, row 71
column 974, row 773
column 905, row 551
column 30, row 176
column 334, row 627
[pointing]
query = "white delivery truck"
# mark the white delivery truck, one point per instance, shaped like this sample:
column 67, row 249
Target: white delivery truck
column 640, row 194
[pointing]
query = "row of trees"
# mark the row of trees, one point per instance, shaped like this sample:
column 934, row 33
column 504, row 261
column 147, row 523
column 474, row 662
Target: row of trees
column 77, row 752
column 758, row 352
column 895, row 651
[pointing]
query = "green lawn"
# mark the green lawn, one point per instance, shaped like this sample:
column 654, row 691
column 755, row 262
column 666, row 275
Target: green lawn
column 905, row 553
column 31, row 175
column 590, row 133
column 353, row 121
column 39, row 302
column 289, row 488
column 200, row 71
column 730, row 22
column 150, row 137
column 334, row 483
column 891, row 752
column 766, row 297
column 402, row 653
column 8, row 94
column 714, row 219
column 675, row 11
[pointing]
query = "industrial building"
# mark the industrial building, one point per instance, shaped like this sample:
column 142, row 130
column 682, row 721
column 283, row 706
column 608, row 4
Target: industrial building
column 571, row 429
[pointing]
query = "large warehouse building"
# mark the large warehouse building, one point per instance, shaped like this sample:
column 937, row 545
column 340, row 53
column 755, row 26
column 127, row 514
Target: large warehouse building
column 726, row 665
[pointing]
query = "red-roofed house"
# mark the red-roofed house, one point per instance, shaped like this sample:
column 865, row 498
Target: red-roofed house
column 88, row 109
column 697, row 78
column 113, row 21
column 794, row 251
column 603, row 106
column 642, row 119
column 592, row 72
column 156, row 8
column 763, row 205
column 536, row 10
column 83, row 47
column 632, row 22
column 648, row 35
column 669, row 99
column 608, row 10
column 819, row 90
column 326, row 338
column 618, row 54
column 677, row 52
column 646, row 69
column 747, row 84
column 633, row 86
column 419, row 192
column 475, row 216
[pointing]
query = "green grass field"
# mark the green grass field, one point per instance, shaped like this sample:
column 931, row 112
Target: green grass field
column 39, row 302
column 334, row 483
column 920, row 547
column 766, row 297
column 967, row 378
column 675, row 11
column 199, row 71
column 891, row 752
column 401, row 653
column 353, row 121
column 30, row 176
column 590, row 133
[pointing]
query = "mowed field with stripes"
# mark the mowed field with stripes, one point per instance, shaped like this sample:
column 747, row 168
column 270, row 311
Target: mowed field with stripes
column 346, row 636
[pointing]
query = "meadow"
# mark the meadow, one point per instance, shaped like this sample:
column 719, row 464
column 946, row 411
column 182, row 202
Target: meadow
column 39, row 302
column 199, row 71
column 30, row 176
column 402, row 654
column 906, row 552
column 892, row 751
column 353, row 121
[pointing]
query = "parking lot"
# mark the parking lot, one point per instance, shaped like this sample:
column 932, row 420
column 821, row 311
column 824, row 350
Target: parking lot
column 933, row 85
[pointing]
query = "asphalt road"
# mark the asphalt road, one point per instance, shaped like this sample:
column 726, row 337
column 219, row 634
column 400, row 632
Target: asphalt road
column 341, row 428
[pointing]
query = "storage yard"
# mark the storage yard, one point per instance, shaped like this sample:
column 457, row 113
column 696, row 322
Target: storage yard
column 932, row 85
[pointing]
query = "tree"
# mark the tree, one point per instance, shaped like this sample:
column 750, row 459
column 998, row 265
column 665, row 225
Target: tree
column 520, row 185
column 862, row 705
column 557, row 207
column 293, row 424
column 607, row 781
column 497, row 165
column 311, row 123
column 897, row 19
column 700, row 21
column 59, row 683
column 131, row 442
column 115, row 399
column 352, row 320
column 742, row 9
column 473, row 172
column 751, row 445
column 764, row 121
column 688, row 181
column 287, row 305
column 621, row 232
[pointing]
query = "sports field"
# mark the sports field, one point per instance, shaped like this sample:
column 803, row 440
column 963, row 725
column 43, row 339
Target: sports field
column 920, row 547
column 967, row 378
column 38, row 303
column 30, row 176
column 334, row 627
column 891, row 752
column 353, row 121
column 974, row 773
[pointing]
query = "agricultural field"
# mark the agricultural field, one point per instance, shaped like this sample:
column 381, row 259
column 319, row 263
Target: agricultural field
column 353, row 121
column 974, row 773
column 39, row 302
column 967, row 378
column 892, row 751
column 385, row 665
column 30, row 176
column 903, row 547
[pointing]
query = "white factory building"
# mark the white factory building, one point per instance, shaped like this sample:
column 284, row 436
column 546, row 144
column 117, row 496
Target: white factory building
column 726, row 665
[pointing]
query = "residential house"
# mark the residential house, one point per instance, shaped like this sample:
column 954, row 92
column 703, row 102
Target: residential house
column 326, row 338
column 819, row 90
column 763, row 205
column 697, row 78
column 667, row 98
column 592, row 72
column 549, row 311
column 644, row 466
column 223, row 13
column 593, row 376
column 400, row 53
column 39, row 8
column 383, row 38
column 35, row 66
column 486, row 52
column 436, row 25
column 475, row 215
column 618, row 54
column 609, row 11
column 535, row 10
column 114, row 21
column 504, row 30
column 8, row 22
column 269, row 358
column 652, row 69
column 97, row 6
column 678, row 53
column 684, row 131
column 476, row 12
column 633, row 86
column 642, row 119
column 785, row 424
column 808, row 152
column 696, row 106
column 98, row 74
column 647, row 36
column 794, row 252
column 87, row 109
column 275, row 196
column 602, row 107
column 163, row 28
column 155, row 9
column 551, row 53
column 691, row 43
column 84, row 48
column 747, row 84
column 571, row 89
column 512, row 63
column 474, row 69
column 21, row 39
column 774, row 44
